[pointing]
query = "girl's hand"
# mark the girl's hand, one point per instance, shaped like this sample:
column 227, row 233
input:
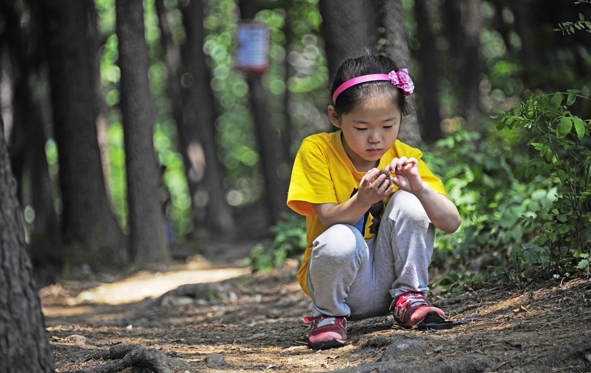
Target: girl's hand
column 405, row 174
column 374, row 187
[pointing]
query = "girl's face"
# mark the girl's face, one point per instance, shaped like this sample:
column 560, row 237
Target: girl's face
column 369, row 130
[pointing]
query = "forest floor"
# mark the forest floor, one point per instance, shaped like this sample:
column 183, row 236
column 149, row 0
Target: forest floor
column 211, row 315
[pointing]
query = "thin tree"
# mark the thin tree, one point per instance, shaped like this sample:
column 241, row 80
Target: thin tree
column 462, row 21
column 268, row 141
column 198, row 126
column 24, row 344
column 287, row 131
column 396, row 35
column 28, row 136
column 146, row 220
column 70, row 37
column 430, row 72
column 471, row 22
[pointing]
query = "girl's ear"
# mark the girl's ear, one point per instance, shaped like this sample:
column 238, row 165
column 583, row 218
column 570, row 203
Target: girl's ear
column 334, row 118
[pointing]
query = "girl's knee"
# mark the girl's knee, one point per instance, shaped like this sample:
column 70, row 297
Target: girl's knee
column 407, row 207
column 339, row 241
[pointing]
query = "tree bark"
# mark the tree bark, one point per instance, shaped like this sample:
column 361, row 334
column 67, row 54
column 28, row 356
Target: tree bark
column 90, row 230
column 450, row 14
column 24, row 344
column 431, row 71
column 171, row 55
column 146, row 221
column 470, row 74
column 394, row 23
column 268, row 141
column 287, row 133
column 463, row 23
column 198, row 127
column 349, row 27
column 28, row 137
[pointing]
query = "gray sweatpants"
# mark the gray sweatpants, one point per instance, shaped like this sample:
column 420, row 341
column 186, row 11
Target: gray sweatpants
column 350, row 277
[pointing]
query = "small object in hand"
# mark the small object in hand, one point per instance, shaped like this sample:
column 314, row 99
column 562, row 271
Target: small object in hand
column 388, row 177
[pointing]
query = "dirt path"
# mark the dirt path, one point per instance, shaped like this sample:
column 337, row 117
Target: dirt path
column 251, row 323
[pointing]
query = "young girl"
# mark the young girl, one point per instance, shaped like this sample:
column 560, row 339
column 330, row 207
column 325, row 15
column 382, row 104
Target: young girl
column 371, row 207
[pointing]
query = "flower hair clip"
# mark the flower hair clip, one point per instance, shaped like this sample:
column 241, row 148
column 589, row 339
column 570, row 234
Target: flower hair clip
column 400, row 79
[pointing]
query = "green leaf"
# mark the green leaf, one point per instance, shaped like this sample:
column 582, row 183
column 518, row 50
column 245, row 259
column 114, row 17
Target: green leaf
column 564, row 127
column 556, row 99
column 520, row 170
column 579, row 127
column 583, row 264
column 571, row 99
column 540, row 241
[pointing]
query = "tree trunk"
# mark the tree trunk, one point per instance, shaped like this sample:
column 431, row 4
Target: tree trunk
column 199, row 122
column 146, row 221
column 523, row 29
column 431, row 72
column 451, row 25
column 463, row 23
column 27, row 144
column 349, row 27
column 171, row 55
column 470, row 74
column 24, row 344
column 394, row 23
column 90, row 229
column 287, row 133
column 268, row 141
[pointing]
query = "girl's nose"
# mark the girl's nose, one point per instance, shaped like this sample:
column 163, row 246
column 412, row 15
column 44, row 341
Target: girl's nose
column 375, row 137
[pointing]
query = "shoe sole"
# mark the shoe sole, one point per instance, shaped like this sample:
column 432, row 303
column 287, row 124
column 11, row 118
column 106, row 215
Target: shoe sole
column 333, row 343
column 432, row 317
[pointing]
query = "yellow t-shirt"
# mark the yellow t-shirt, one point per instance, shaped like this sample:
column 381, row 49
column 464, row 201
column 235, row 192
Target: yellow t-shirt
column 323, row 173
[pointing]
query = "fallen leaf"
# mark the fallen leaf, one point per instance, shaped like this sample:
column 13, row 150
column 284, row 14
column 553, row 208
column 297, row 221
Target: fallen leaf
column 520, row 310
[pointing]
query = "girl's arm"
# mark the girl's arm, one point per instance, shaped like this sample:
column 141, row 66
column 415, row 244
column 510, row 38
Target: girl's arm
column 440, row 210
column 350, row 212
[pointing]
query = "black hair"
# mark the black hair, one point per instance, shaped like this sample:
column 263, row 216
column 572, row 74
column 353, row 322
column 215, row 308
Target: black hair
column 364, row 65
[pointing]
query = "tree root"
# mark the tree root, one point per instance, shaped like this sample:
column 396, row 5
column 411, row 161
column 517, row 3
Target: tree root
column 129, row 356
column 466, row 365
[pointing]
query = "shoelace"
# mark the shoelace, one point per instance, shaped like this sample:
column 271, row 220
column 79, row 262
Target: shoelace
column 326, row 321
column 417, row 302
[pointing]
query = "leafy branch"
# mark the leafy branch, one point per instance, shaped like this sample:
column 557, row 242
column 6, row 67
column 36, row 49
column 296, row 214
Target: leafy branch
column 569, row 27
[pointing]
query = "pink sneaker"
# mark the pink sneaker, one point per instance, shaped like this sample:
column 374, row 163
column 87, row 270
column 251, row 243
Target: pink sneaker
column 327, row 331
column 410, row 308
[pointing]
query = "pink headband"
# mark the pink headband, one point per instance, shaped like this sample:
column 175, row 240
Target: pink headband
column 399, row 78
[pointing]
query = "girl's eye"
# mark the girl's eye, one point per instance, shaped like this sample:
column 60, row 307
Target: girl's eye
column 361, row 129
column 388, row 127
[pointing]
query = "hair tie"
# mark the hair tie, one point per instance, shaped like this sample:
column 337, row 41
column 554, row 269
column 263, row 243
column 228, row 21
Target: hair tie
column 399, row 78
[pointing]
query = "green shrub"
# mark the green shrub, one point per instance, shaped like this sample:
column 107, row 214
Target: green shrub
column 477, row 172
column 288, row 240
column 562, row 143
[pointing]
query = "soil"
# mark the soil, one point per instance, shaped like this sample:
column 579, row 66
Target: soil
column 213, row 315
